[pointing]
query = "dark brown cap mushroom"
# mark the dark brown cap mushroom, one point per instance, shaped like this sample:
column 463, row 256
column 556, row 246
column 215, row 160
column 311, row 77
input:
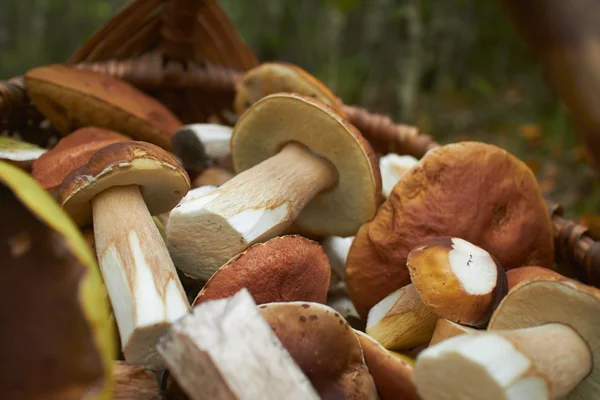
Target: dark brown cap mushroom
column 58, row 338
column 73, row 98
column 469, row 190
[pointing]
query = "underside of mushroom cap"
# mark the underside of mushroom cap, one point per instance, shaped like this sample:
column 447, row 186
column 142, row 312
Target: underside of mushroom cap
column 280, row 119
column 470, row 190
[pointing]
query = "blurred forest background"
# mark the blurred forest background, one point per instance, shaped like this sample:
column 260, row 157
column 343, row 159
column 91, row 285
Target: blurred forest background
column 456, row 68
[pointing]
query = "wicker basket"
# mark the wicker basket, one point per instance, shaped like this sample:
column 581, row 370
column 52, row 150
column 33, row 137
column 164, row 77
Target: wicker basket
column 188, row 54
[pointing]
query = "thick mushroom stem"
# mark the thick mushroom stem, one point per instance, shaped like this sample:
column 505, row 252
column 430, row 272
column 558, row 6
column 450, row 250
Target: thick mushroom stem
column 141, row 280
column 543, row 362
column 256, row 205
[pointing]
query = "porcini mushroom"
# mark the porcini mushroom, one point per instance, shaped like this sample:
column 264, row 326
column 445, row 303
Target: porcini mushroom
column 542, row 343
column 70, row 153
column 453, row 279
column 518, row 275
column 122, row 185
column 445, row 329
column 213, row 176
column 393, row 167
column 298, row 162
column 72, row 98
column 58, row 338
column 199, row 146
column 19, row 153
column 283, row 269
column 324, row 346
column 474, row 191
column 337, row 249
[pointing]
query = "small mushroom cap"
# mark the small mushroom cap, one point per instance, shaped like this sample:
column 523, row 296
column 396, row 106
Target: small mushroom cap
column 55, row 302
column 273, row 77
column 518, row 275
column 391, row 373
column 279, row 119
column 457, row 280
column 283, row 269
column 162, row 181
column 324, row 346
column 198, row 145
column 474, row 191
column 71, row 152
column 19, row 153
column 556, row 300
column 72, row 98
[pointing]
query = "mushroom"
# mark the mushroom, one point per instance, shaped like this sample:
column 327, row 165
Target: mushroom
column 72, row 98
column 213, row 176
column 21, row 154
column 272, row 77
column 393, row 167
column 70, row 153
column 518, row 275
column 324, row 346
column 469, row 190
column 288, row 268
column 445, row 329
column 392, row 373
column 122, row 185
column 199, row 146
column 542, row 343
column 298, row 162
column 224, row 349
column 337, row 249
column 134, row 383
column 452, row 279
column 58, row 339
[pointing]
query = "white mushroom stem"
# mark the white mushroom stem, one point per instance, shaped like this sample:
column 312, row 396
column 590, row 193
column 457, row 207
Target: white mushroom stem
column 337, row 249
column 393, row 167
column 225, row 350
column 543, row 362
column 142, row 283
column 256, row 205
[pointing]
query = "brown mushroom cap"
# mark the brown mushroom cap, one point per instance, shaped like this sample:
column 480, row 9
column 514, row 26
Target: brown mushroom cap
column 70, row 153
column 457, row 280
column 391, row 373
column 276, row 77
column 518, row 275
column 58, row 340
column 324, row 346
column 474, row 191
column 71, row 98
column 556, row 300
column 283, row 269
column 162, row 181
column 283, row 118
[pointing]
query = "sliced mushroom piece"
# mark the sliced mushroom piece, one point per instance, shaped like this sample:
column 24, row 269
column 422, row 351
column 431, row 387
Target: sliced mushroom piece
column 122, row 185
column 299, row 162
column 392, row 373
column 283, row 269
column 325, row 347
column 200, row 146
column 70, row 153
column 524, row 274
column 19, row 153
column 134, row 383
column 445, row 329
column 452, row 279
column 224, row 349
column 474, row 191
column 72, row 98
column 269, row 78
column 542, row 343
column 58, row 339
column 393, row 167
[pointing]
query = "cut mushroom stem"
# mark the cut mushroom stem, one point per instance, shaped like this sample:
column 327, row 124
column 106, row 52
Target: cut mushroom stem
column 542, row 362
column 256, row 205
column 145, row 291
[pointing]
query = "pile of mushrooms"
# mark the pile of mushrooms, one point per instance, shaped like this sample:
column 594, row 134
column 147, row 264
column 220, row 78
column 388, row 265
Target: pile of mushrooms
column 280, row 258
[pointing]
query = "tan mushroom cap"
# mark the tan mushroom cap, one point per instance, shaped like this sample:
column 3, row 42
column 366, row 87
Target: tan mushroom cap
column 162, row 180
column 556, row 300
column 522, row 274
column 72, row 98
column 279, row 119
column 59, row 339
column 391, row 373
column 283, row 269
column 324, row 346
column 71, row 152
column 474, row 191
column 21, row 154
column 276, row 77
